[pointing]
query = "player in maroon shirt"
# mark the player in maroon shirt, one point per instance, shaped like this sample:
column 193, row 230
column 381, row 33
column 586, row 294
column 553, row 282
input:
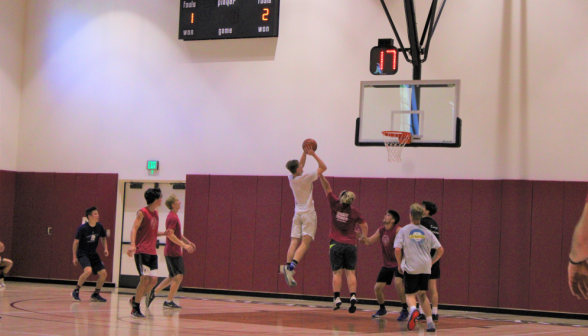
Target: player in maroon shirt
column 343, row 246
column 578, row 265
column 143, row 239
column 173, row 254
column 386, row 235
column 5, row 266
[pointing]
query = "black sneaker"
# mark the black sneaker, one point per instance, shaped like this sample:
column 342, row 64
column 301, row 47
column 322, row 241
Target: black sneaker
column 380, row 313
column 353, row 302
column 76, row 295
column 403, row 315
column 436, row 318
column 421, row 318
column 97, row 298
column 136, row 312
column 150, row 298
column 171, row 305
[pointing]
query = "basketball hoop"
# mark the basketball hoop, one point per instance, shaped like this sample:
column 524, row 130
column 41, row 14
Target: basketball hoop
column 395, row 142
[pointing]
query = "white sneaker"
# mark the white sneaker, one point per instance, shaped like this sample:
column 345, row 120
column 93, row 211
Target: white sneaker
column 289, row 276
column 2, row 285
column 337, row 303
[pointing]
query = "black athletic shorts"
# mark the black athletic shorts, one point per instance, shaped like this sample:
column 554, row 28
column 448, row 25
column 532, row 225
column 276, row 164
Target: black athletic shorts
column 436, row 271
column 416, row 282
column 387, row 274
column 175, row 266
column 91, row 260
column 342, row 256
column 146, row 264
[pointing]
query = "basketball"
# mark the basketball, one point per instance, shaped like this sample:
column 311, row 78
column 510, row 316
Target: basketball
column 310, row 143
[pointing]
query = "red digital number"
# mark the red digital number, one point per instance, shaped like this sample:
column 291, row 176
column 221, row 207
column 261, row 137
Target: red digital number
column 264, row 16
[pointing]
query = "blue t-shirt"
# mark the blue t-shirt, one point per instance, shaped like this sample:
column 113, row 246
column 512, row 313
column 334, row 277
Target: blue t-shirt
column 89, row 237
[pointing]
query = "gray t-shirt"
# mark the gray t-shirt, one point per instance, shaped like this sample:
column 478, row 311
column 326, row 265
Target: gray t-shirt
column 417, row 242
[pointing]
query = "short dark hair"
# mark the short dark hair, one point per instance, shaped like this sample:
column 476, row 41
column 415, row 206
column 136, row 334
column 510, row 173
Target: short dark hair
column 90, row 210
column 292, row 166
column 431, row 207
column 395, row 215
column 152, row 195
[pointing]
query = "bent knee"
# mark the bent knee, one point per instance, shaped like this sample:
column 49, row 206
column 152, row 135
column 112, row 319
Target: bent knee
column 102, row 274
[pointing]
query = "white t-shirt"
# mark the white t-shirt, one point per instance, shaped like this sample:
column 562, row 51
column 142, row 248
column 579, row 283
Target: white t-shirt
column 302, row 189
column 417, row 242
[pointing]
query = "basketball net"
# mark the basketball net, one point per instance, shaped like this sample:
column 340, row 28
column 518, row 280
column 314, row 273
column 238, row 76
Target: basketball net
column 395, row 142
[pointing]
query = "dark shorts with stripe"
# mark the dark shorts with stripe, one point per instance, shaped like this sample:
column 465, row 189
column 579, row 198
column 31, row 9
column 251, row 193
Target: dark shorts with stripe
column 342, row 256
column 175, row 266
column 146, row 264
column 387, row 274
column 91, row 260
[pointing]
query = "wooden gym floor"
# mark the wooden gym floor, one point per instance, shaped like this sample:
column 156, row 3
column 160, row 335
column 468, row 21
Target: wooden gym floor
column 37, row 309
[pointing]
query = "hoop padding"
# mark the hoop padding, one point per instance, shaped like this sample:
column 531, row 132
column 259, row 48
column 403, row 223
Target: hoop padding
column 395, row 142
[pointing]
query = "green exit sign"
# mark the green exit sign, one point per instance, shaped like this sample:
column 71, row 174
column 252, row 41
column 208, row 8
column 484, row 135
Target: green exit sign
column 152, row 165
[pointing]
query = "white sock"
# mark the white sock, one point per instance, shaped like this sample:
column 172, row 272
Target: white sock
column 429, row 319
column 412, row 308
column 435, row 312
column 421, row 310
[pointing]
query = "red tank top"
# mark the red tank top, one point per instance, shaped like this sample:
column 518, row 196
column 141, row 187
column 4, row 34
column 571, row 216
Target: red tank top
column 147, row 234
column 387, row 241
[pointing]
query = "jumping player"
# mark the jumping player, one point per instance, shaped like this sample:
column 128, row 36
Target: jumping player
column 427, row 221
column 386, row 235
column 5, row 266
column 578, row 266
column 173, row 254
column 343, row 246
column 413, row 246
column 143, row 239
column 84, row 253
column 304, row 221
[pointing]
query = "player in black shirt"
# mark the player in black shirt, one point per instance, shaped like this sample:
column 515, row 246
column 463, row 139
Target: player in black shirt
column 431, row 224
column 84, row 252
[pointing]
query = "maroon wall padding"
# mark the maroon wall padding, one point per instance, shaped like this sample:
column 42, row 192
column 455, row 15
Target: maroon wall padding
column 546, row 235
column 285, row 230
column 106, row 195
column 431, row 190
column 243, row 232
column 515, row 244
column 369, row 260
column 400, row 195
column 195, row 227
column 85, row 197
column 218, row 243
column 573, row 206
column 7, row 195
column 457, row 219
column 349, row 184
column 267, row 229
column 64, row 222
column 318, row 277
column 485, row 243
column 33, row 215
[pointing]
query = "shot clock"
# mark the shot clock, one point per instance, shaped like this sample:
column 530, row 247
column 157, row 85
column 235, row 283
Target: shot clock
column 228, row 19
column 384, row 58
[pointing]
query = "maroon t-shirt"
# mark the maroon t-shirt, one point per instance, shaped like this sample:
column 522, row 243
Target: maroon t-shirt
column 387, row 241
column 343, row 220
column 147, row 233
column 173, row 223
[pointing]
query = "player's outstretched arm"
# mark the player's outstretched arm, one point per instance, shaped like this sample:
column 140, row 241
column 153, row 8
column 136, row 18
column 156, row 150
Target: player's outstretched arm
column 364, row 228
column 325, row 184
column 368, row 241
column 322, row 166
column 134, row 230
column 578, row 267
column 176, row 240
column 302, row 161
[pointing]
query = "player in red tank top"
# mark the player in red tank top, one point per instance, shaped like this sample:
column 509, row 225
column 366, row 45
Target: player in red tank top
column 578, row 265
column 386, row 235
column 143, row 239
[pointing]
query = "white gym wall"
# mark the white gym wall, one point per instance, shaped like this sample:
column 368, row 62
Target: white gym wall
column 107, row 85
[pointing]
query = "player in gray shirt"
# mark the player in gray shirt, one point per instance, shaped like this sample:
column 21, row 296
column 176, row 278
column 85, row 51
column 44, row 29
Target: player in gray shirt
column 413, row 246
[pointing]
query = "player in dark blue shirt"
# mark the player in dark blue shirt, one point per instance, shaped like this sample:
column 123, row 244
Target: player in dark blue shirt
column 84, row 253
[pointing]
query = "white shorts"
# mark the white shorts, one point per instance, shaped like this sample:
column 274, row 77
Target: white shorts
column 304, row 223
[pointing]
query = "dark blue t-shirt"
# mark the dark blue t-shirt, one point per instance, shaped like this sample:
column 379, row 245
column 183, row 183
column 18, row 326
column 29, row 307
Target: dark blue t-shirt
column 89, row 237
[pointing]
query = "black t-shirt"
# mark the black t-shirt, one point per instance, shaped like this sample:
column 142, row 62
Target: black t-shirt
column 430, row 224
column 89, row 237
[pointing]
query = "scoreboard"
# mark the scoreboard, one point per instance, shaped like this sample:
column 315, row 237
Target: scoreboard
column 228, row 19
